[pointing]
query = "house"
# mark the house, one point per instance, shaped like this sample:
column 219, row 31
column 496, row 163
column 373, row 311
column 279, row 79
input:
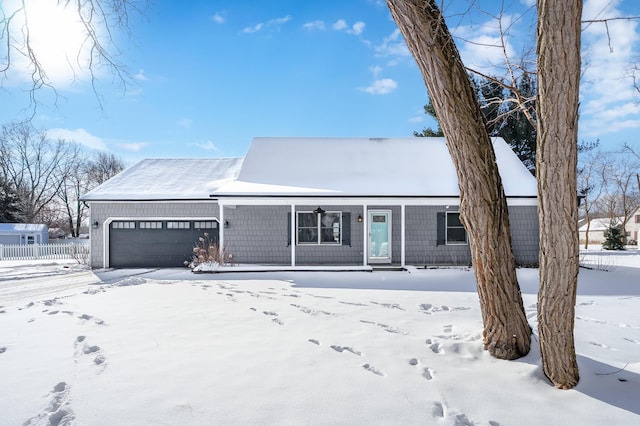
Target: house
column 297, row 202
column 23, row 233
column 598, row 226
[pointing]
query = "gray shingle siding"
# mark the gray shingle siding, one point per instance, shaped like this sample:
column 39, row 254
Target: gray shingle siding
column 103, row 211
column 259, row 234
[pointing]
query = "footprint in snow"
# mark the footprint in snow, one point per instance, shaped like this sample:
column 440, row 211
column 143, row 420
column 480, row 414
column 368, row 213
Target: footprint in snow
column 374, row 370
column 427, row 373
column 315, row 342
column 438, row 410
column 3, row 350
column 59, row 410
column 346, row 348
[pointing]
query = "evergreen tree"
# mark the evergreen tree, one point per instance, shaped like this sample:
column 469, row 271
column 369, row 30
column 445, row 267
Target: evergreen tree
column 503, row 116
column 9, row 210
column 613, row 238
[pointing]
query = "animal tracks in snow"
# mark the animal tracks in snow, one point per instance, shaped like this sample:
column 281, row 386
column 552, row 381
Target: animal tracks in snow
column 346, row 348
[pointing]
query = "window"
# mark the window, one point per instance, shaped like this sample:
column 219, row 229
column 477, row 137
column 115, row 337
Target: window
column 638, row 218
column 178, row 225
column 455, row 231
column 319, row 228
column 207, row 224
column 123, row 225
column 150, row 225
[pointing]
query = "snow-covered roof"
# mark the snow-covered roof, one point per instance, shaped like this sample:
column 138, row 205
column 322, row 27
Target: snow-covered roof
column 343, row 167
column 22, row 227
column 168, row 179
column 601, row 224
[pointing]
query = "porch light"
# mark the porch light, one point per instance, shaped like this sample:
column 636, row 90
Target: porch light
column 359, row 218
column 95, row 225
column 319, row 210
column 226, row 223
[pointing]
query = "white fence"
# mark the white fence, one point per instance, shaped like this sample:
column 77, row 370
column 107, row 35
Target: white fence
column 78, row 251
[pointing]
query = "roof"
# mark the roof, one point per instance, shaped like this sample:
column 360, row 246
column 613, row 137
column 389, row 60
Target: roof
column 343, row 167
column 168, row 179
column 22, row 227
column 601, row 224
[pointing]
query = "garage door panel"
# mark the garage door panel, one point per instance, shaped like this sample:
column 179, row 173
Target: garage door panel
column 154, row 247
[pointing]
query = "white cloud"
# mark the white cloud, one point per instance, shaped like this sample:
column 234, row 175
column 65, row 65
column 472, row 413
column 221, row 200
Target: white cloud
column 340, row 25
column 79, row 136
column 218, row 18
column 254, row 29
column 314, row 25
column 606, row 92
column 133, row 146
column 208, row 146
column 393, row 47
column 140, row 75
column 357, row 28
column 381, row 87
column 375, row 70
column 279, row 21
column 274, row 23
column 417, row 119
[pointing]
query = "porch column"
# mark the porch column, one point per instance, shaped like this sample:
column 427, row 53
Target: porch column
column 365, row 235
column 402, row 235
column 293, row 235
column 221, row 227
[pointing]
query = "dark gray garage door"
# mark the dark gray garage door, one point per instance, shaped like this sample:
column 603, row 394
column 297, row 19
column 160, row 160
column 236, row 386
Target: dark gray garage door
column 147, row 243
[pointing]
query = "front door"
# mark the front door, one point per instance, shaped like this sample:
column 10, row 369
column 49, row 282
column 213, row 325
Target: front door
column 379, row 236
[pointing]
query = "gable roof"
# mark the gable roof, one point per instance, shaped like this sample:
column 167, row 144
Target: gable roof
column 343, row 167
column 168, row 179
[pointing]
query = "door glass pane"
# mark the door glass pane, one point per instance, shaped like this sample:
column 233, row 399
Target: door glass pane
column 379, row 239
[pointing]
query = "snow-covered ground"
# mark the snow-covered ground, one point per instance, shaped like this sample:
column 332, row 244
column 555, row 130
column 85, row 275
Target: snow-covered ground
column 151, row 347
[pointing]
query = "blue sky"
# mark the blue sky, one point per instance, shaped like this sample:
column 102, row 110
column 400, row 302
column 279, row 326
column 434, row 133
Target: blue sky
column 208, row 76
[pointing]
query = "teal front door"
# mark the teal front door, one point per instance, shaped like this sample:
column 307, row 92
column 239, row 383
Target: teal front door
column 379, row 236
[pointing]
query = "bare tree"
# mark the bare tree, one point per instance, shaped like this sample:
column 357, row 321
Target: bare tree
column 36, row 166
column 103, row 166
column 620, row 178
column 591, row 186
column 86, row 175
column 483, row 206
column 557, row 107
column 100, row 22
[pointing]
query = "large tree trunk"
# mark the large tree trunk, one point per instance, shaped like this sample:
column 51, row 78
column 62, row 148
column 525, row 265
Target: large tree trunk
column 557, row 157
column 483, row 206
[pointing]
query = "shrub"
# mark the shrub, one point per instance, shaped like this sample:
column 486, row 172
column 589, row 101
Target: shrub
column 208, row 251
column 613, row 239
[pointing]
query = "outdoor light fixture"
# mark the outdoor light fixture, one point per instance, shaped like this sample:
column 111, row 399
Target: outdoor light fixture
column 226, row 223
column 95, row 224
column 319, row 210
column 359, row 218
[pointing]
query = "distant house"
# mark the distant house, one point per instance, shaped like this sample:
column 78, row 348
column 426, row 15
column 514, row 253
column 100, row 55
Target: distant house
column 598, row 226
column 23, row 233
column 297, row 202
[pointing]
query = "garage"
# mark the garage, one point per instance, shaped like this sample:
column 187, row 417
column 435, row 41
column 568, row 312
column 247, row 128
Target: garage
column 156, row 243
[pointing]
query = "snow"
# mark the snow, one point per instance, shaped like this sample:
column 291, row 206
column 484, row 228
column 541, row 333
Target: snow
column 362, row 166
column 166, row 346
column 168, row 179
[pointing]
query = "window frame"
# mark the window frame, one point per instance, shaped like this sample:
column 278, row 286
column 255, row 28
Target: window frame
column 177, row 225
column 150, row 224
column 319, row 228
column 123, row 224
column 204, row 224
column 454, row 227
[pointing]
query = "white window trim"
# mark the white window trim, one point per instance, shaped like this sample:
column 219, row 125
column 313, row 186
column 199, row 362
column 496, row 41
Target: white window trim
column 319, row 226
column 446, row 233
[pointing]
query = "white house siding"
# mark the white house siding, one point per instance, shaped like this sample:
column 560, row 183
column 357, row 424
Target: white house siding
column 102, row 211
